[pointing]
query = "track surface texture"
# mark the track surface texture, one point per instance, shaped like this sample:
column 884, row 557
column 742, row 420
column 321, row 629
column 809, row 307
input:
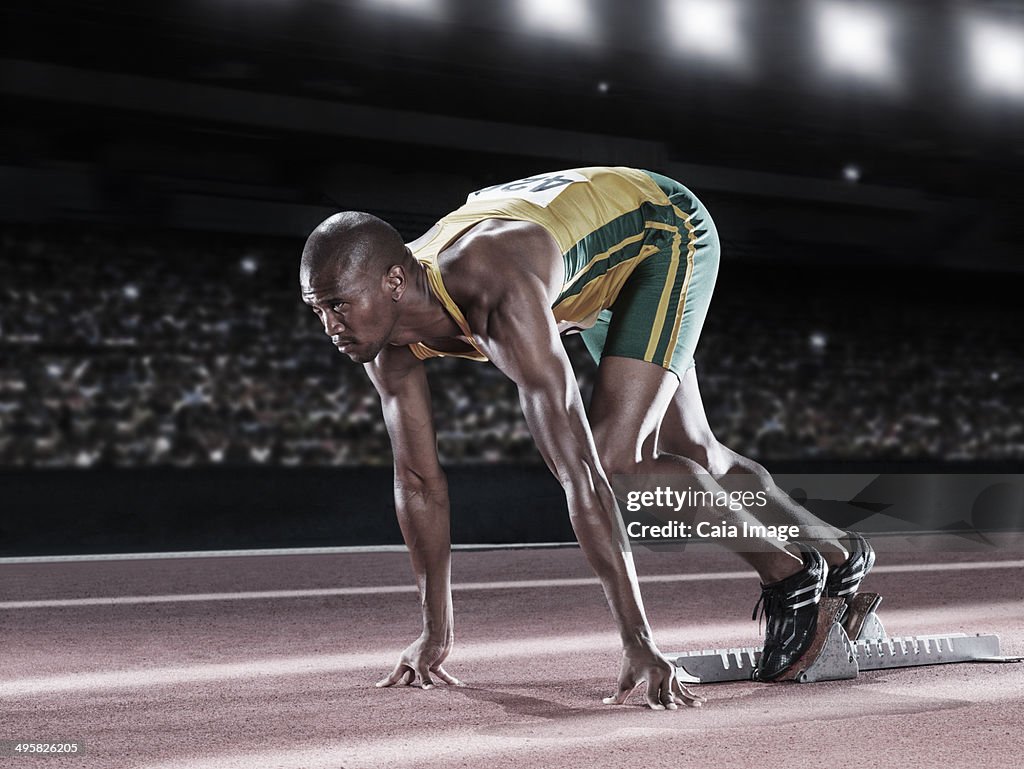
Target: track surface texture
column 268, row 661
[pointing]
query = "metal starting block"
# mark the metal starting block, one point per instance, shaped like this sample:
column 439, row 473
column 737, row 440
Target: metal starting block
column 832, row 656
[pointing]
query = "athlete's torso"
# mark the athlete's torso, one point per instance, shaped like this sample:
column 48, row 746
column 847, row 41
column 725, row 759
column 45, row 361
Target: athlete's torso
column 598, row 216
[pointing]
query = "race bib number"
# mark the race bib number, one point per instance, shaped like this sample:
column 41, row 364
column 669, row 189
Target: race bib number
column 539, row 190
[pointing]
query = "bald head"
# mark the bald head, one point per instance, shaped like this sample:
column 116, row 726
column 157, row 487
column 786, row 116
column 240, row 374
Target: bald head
column 350, row 243
column 353, row 275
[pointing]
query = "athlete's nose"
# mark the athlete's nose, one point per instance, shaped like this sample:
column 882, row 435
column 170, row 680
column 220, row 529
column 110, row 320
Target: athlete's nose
column 332, row 326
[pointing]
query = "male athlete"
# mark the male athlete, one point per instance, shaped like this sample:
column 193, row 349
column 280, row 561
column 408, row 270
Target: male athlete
column 629, row 258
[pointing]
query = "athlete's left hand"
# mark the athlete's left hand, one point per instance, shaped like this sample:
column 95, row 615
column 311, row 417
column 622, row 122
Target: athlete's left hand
column 665, row 688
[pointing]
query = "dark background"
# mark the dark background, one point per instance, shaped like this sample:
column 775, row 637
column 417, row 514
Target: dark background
column 162, row 387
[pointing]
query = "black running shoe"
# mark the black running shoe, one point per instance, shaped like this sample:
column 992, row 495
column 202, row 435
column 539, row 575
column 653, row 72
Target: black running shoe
column 791, row 608
column 844, row 580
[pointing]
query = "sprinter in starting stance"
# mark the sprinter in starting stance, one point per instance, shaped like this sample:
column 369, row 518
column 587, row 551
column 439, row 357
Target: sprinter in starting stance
column 629, row 259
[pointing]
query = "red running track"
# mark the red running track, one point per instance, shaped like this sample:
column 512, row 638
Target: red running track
column 269, row 661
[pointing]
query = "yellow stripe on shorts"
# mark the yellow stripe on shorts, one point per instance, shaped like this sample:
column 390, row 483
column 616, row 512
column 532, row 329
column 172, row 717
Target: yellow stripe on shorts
column 666, row 292
column 691, row 249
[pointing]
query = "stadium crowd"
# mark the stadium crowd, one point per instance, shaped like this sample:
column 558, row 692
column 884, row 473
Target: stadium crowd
column 132, row 350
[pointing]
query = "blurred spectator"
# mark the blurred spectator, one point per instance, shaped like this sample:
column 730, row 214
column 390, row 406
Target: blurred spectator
column 195, row 350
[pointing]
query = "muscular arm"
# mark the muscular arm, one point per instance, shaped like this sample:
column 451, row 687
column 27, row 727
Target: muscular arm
column 522, row 340
column 421, row 489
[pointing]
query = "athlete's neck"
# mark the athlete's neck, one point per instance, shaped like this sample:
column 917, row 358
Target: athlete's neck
column 423, row 316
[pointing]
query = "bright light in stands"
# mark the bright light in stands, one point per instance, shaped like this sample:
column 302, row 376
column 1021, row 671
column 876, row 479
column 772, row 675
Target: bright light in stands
column 249, row 265
column 856, row 40
column 428, row 8
column 565, row 18
column 130, row 291
column 707, row 28
column 996, row 53
column 851, row 173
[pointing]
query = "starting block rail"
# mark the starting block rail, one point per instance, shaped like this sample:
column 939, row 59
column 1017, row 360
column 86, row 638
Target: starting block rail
column 911, row 651
column 840, row 658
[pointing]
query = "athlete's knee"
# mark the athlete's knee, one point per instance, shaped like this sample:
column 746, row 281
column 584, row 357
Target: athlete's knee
column 616, row 458
column 706, row 453
column 619, row 452
column 719, row 460
column 738, row 465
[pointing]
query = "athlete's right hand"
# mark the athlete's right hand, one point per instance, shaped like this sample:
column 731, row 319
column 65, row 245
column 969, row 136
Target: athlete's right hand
column 422, row 659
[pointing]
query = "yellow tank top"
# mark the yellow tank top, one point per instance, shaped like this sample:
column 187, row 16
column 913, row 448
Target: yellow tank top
column 599, row 217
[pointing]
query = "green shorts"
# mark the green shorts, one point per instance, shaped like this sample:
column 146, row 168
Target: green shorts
column 659, row 313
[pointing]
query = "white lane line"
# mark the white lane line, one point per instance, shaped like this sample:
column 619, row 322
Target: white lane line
column 698, row 635
column 263, row 595
column 359, row 549
column 273, row 551
column 526, row 584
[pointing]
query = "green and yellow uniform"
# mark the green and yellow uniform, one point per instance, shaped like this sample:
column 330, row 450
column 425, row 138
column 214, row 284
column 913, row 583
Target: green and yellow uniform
column 640, row 254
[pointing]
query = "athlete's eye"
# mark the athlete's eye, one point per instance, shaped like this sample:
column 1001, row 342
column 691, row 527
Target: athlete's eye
column 338, row 305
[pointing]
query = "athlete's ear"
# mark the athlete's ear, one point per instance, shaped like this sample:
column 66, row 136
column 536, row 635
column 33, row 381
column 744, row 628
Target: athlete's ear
column 395, row 282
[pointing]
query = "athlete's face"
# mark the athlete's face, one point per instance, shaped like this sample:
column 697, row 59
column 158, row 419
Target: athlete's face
column 355, row 311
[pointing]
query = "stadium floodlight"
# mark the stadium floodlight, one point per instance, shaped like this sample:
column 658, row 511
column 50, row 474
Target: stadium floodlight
column 426, row 8
column 856, row 39
column 706, row 28
column 565, row 18
column 996, row 53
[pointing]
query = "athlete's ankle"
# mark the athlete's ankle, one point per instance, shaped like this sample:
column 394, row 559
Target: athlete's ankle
column 779, row 565
column 834, row 551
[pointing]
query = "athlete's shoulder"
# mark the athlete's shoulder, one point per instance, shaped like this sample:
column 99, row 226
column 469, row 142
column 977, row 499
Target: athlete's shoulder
column 495, row 256
column 494, row 249
column 488, row 235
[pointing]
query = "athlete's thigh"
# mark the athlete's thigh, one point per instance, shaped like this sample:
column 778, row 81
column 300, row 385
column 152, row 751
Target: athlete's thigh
column 685, row 430
column 629, row 402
